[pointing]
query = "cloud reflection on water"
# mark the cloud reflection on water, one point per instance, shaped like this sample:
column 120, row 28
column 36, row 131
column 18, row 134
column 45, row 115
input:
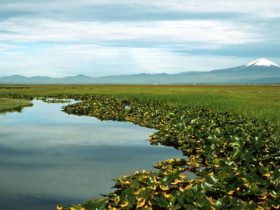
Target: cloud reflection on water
column 47, row 155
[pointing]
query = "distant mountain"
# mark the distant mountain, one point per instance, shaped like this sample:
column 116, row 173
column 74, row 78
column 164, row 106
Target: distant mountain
column 260, row 71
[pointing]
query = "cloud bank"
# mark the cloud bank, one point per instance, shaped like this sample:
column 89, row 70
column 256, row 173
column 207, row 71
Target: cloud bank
column 97, row 38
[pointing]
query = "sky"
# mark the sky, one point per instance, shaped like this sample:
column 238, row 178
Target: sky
column 110, row 37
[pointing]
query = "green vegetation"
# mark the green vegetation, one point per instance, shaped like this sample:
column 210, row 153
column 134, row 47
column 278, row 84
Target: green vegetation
column 261, row 102
column 7, row 105
column 54, row 100
column 229, row 135
column 236, row 159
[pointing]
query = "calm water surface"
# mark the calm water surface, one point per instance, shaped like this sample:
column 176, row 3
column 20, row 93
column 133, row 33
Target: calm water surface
column 49, row 157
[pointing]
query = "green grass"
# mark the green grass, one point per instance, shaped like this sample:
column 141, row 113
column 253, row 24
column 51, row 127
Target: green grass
column 13, row 104
column 262, row 102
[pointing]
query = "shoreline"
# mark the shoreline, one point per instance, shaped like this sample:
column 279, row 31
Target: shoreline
column 210, row 139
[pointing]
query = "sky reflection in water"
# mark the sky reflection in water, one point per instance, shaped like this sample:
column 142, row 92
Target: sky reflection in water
column 47, row 156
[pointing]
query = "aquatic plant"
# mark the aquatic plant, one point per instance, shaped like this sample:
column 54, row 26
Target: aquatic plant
column 236, row 159
column 54, row 100
column 261, row 102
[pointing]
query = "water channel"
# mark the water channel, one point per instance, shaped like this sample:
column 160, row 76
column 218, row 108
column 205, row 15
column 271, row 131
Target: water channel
column 49, row 157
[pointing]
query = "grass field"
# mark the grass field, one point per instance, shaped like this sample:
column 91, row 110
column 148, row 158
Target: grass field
column 13, row 104
column 262, row 102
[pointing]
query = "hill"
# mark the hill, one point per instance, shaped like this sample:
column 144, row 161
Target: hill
column 260, row 71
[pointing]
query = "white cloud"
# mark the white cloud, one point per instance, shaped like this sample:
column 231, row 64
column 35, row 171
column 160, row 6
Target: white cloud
column 268, row 8
column 94, row 60
column 56, row 38
column 67, row 60
column 186, row 31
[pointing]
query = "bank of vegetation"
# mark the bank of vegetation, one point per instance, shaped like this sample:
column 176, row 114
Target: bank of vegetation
column 236, row 159
column 262, row 102
column 9, row 105
column 53, row 100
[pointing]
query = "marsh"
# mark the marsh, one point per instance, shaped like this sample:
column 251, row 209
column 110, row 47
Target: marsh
column 49, row 157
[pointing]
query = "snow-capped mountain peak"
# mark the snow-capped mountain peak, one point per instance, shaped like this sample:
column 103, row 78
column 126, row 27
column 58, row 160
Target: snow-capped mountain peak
column 262, row 62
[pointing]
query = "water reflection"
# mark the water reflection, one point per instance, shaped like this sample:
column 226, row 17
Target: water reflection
column 47, row 156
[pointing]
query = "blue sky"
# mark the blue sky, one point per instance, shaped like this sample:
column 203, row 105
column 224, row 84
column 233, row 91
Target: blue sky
column 109, row 37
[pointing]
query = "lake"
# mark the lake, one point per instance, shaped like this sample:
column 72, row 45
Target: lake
column 49, row 157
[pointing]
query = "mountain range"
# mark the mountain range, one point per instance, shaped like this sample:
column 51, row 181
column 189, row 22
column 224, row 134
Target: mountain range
column 260, row 71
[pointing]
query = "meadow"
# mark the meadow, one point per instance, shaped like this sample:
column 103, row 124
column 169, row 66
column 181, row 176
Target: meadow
column 7, row 104
column 262, row 102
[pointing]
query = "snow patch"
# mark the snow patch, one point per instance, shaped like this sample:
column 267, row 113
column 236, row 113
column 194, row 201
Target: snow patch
column 262, row 62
